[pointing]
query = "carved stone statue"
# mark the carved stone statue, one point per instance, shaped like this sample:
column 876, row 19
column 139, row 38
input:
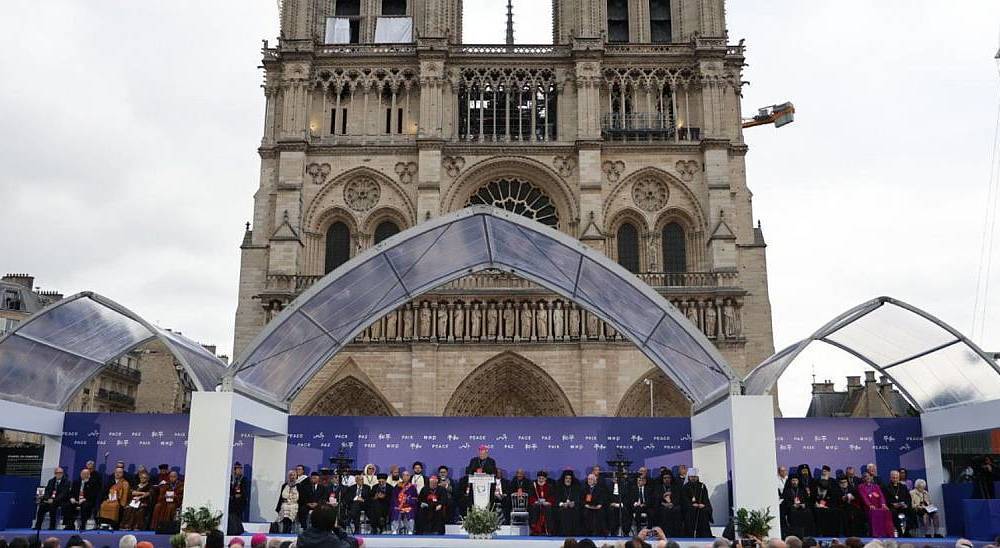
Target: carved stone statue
column 692, row 313
column 610, row 331
column 557, row 321
column 458, row 321
column 574, row 322
column 593, row 326
column 492, row 321
column 475, row 322
column 424, row 325
column 442, row 321
column 711, row 319
column 730, row 323
column 542, row 321
column 392, row 326
column 526, row 320
column 407, row 322
column 376, row 329
column 508, row 320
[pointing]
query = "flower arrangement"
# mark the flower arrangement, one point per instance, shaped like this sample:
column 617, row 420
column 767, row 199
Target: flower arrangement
column 754, row 523
column 200, row 520
column 481, row 523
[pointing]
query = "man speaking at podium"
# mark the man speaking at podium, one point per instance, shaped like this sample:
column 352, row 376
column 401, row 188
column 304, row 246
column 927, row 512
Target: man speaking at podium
column 483, row 464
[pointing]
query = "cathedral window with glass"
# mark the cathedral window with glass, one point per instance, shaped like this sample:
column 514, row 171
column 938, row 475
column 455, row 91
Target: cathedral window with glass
column 617, row 20
column 338, row 245
column 628, row 247
column 385, row 230
column 659, row 22
column 674, row 248
column 517, row 196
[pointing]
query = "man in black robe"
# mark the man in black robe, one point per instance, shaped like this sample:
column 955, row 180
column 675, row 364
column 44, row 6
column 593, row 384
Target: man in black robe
column 311, row 495
column 619, row 510
column 568, row 501
column 53, row 498
column 854, row 522
column 798, row 506
column 520, row 483
column 897, row 498
column 239, row 495
column 378, row 504
column 433, row 507
column 355, row 500
column 697, row 506
column 829, row 518
column 482, row 464
column 642, row 502
column 983, row 478
column 595, row 501
column 682, row 474
column 669, row 510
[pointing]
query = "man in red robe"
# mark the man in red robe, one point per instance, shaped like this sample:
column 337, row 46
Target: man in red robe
column 540, row 501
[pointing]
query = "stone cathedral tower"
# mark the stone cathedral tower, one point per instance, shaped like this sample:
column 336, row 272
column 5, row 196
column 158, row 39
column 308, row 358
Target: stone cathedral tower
column 625, row 133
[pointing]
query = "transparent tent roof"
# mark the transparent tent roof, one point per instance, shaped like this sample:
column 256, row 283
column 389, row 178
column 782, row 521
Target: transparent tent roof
column 931, row 363
column 295, row 345
column 60, row 348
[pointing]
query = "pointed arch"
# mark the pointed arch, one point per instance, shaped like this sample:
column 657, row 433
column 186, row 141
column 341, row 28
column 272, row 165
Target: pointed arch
column 348, row 392
column 628, row 216
column 508, row 385
column 668, row 400
column 327, row 198
column 689, row 202
column 522, row 167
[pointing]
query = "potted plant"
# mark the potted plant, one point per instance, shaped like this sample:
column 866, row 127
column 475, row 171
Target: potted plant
column 481, row 523
column 753, row 524
column 200, row 520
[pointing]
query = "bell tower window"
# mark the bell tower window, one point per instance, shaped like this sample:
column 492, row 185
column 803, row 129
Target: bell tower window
column 659, row 21
column 617, row 20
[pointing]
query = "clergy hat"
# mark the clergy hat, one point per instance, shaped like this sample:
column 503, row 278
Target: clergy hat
column 164, row 467
column 542, row 473
column 314, row 473
column 325, row 471
column 826, row 468
column 483, row 446
column 237, row 465
column 567, row 472
column 381, row 476
column 693, row 472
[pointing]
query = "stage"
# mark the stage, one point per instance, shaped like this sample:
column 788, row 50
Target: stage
column 100, row 539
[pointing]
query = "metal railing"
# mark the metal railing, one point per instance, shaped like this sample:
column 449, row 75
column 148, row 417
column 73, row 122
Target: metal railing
column 121, row 370
column 640, row 126
column 115, row 397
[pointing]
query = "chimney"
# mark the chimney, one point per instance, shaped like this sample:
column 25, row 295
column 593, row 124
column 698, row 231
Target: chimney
column 869, row 377
column 825, row 387
column 51, row 296
column 23, row 280
column 853, row 381
column 209, row 347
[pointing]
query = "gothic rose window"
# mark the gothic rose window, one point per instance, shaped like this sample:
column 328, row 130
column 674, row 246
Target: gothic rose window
column 518, row 196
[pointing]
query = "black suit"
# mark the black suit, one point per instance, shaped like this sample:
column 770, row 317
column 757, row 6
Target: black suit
column 488, row 466
column 642, row 506
column 378, row 506
column 55, row 497
column 310, row 493
column 353, row 505
column 239, row 495
column 87, row 497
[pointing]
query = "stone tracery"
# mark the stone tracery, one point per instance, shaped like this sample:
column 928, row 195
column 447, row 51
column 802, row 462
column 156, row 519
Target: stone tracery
column 508, row 386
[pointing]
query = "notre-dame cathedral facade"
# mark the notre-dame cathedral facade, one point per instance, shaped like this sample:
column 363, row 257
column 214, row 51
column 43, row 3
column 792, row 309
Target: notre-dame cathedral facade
column 625, row 132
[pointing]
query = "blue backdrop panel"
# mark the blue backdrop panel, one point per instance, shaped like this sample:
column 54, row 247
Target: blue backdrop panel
column 532, row 443
column 842, row 442
column 149, row 439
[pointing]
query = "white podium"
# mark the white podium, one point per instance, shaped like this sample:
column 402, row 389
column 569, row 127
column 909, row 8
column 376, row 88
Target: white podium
column 481, row 484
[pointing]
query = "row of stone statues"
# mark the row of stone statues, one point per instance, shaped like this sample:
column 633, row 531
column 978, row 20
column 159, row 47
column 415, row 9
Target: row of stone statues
column 530, row 320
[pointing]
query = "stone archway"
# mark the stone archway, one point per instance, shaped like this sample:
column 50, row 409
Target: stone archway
column 509, row 385
column 350, row 396
column 668, row 401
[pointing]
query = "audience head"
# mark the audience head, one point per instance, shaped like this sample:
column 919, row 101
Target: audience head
column 51, row 542
column 193, row 540
column 570, row 543
column 963, row 543
column 853, row 542
column 809, row 542
column 586, row 543
column 18, row 542
column 141, row 544
column 215, row 539
column 324, row 517
column 258, row 540
column 793, row 541
column 776, row 543
column 127, row 541
column 236, row 541
column 875, row 544
column 75, row 541
column 670, row 544
column 274, row 542
column 720, row 543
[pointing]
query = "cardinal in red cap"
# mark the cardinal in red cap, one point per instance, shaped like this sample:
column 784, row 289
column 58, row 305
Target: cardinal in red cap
column 482, row 464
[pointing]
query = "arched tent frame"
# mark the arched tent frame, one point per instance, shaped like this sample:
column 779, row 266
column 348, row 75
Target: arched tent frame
column 933, row 365
column 57, row 350
column 295, row 345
